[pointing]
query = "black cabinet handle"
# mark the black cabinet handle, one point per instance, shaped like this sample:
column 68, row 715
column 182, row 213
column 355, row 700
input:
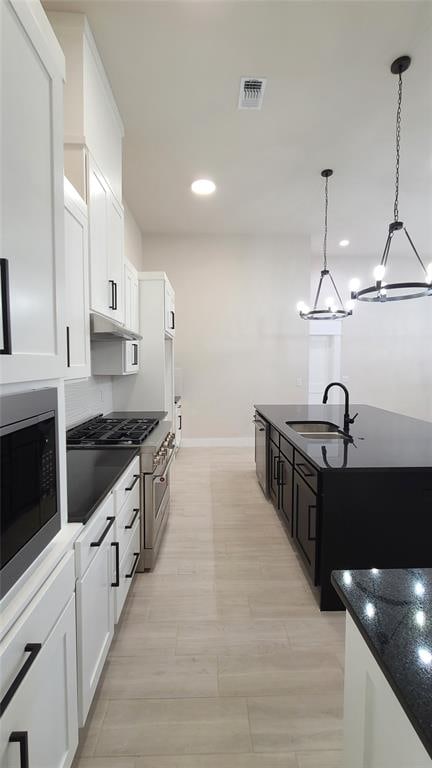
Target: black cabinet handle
column 115, row 296
column 305, row 471
column 172, row 326
column 275, row 459
column 130, row 525
column 6, row 342
column 116, row 582
column 135, row 563
column 21, row 738
column 33, row 649
column 280, row 473
column 134, row 354
column 104, row 533
column 311, row 538
column 180, row 421
column 68, row 346
column 133, row 484
column 112, row 305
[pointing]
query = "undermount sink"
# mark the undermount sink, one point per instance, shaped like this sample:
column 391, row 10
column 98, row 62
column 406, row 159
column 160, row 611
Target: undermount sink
column 316, row 429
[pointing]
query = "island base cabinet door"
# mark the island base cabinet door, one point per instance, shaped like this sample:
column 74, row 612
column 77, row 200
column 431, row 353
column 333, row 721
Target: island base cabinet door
column 42, row 716
column 273, row 473
column 305, row 523
column 286, row 477
column 95, row 624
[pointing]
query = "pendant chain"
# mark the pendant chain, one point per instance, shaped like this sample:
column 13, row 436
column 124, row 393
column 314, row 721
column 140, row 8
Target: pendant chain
column 325, row 224
column 398, row 137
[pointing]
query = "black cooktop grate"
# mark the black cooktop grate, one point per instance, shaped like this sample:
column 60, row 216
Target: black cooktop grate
column 103, row 431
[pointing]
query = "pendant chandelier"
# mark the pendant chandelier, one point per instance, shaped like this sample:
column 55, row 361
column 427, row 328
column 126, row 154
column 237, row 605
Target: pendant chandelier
column 382, row 291
column 331, row 308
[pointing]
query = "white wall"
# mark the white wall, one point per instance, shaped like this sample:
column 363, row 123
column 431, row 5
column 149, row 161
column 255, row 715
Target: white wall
column 386, row 349
column 132, row 238
column 239, row 340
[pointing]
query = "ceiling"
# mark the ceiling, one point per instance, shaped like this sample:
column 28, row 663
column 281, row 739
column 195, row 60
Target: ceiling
column 330, row 101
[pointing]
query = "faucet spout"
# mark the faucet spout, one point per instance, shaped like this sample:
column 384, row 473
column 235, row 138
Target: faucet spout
column 347, row 418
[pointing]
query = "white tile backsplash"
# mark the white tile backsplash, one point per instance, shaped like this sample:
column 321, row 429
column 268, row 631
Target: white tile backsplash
column 87, row 397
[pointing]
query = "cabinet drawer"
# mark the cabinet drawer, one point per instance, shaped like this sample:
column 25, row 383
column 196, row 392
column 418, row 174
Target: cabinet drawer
column 36, row 623
column 127, row 520
column 127, row 570
column 130, row 480
column 306, row 470
column 86, row 546
column 287, row 449
column 274, row 435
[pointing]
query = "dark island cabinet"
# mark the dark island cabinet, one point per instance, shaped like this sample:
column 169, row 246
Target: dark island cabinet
column 305, row 524
column 272, row 470
column 286, row 483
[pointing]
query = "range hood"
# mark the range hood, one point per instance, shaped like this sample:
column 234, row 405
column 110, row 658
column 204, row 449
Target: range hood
column 103, row 329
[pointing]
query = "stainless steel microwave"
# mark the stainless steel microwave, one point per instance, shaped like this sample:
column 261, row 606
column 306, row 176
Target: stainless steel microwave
column 29, row 480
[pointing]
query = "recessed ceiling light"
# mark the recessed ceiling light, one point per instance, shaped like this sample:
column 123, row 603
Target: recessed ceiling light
column 344, row 243
column 203, row 187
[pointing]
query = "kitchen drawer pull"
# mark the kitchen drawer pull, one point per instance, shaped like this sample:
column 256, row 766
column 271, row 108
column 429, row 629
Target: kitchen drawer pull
column 280, row 473
column 137, row 477
column 112, row 305
column 33, row 649
column 275, row 460
column 21, row 738
column 104, row 533
column 115, row 296
column 116, row 582
column 304, row 471
column 6, row 342
column 172, row 320
column 180, row 421
column 136, row 558
column 130, row 525
column 68, row 346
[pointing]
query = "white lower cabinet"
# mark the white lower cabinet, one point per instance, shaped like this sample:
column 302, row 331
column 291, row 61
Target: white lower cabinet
column 127, row 569
column 95, row 603
column 39, row 726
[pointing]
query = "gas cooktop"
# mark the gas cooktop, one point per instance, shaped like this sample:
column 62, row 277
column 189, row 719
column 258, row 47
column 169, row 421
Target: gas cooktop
column 105, row 431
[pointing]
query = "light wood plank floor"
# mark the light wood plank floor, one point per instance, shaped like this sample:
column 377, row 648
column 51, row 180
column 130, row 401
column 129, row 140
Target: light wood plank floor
column 222, row 658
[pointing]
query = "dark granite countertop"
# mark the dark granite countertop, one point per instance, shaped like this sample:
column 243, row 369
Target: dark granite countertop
column 380, row 439
column 393, row 611
column 91, row 473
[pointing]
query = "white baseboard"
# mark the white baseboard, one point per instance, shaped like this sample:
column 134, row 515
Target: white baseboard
column 217, row 442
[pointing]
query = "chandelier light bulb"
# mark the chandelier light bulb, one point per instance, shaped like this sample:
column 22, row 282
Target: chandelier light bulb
column 300, row 306
column 349, row 306
column 305, row 309
column 354, row 284
column 330, row 302
column 379, row 272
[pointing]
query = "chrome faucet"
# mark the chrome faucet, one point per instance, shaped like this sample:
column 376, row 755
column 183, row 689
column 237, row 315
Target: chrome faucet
column 347, row 418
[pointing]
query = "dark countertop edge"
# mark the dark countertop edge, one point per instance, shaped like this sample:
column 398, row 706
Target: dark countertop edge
column 423, row 736
column 292, row 436
column 110, row 485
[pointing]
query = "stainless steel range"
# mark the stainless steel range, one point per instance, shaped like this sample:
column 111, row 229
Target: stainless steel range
column 157, row 451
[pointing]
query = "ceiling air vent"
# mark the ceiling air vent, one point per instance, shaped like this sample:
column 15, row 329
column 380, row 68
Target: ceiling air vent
column 251, row 92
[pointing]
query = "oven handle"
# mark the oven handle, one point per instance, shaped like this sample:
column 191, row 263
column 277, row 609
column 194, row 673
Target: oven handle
column 162, row 478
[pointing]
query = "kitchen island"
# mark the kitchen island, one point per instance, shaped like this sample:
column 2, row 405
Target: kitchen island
column 361, row 500
column 388, row 667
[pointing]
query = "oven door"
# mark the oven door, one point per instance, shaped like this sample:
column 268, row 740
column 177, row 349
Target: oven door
column 156, row 502
column 29, row 505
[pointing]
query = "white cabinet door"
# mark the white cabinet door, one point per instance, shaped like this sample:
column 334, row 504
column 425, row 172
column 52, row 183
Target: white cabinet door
column 95, row 623
column 32, row 192
column 131, row 298
column 43, row 712
column 77, row 315
column 169, row 310
column 115, row 254
column 101, row 291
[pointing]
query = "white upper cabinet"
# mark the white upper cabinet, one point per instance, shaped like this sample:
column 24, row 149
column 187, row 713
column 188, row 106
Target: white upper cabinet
column 77, row 315
column 169, row 309
column 92, row 119
column 32, row 238
column 131, row 297
column 106, row 233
